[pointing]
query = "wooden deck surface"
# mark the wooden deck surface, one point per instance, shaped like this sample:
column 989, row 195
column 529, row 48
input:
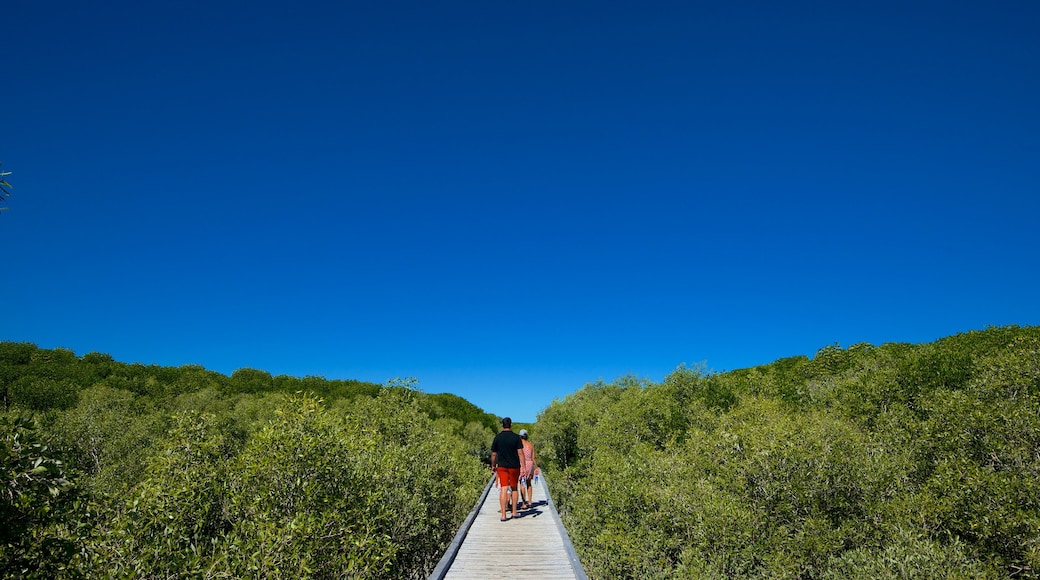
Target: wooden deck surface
column 535, row 545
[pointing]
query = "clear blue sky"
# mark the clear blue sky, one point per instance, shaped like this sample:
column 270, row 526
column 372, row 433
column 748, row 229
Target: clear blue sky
column 510, row 200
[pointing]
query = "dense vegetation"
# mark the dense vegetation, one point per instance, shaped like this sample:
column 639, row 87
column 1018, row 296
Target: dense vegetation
column 891, row 461
column 127, row 470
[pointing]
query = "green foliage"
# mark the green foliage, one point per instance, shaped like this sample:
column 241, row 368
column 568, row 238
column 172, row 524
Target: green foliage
column 895, row 461
column 32, row 542
column 909, row 555
column 454, row 406
column 565, row 436
column 311, row 494
column 329, row 390
column 43, row 394
column 171, row 524
column 14, row 360
column 25, row 462
column 183, row 472
column 898, row 461
column 690, row 385
column 477, row 438
column 295, row 498
column 246, row 380
column 108, row 436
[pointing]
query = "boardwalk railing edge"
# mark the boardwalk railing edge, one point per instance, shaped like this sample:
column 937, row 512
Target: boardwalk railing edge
column 453, row 549
column 579, row 570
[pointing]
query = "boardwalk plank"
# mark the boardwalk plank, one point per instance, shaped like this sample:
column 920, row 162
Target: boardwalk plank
column 535, row 543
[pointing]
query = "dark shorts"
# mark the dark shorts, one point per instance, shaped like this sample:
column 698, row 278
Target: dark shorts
column 508, row 476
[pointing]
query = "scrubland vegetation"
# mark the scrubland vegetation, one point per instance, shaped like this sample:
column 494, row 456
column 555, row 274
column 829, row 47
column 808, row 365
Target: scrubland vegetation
column 125, row 470
column 891, row 461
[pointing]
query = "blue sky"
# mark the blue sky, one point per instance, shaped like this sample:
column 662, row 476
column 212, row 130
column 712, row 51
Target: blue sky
column 510, row 200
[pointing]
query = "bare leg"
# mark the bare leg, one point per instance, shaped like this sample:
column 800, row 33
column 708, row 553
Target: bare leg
column 516, row 512
column 503, row 497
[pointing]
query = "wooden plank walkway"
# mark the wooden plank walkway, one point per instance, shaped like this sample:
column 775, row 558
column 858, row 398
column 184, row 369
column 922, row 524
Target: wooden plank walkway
column 534, row 545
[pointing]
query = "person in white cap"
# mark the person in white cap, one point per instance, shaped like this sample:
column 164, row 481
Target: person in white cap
column 530, row 465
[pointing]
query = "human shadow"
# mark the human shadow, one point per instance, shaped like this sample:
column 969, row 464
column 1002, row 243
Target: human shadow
column 533, row 510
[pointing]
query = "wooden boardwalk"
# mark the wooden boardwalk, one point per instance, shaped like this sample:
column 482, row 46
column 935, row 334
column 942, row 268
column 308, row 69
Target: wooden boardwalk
column 534, row 545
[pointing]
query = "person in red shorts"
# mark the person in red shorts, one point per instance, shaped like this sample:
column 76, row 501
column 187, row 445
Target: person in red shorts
column 507, row 461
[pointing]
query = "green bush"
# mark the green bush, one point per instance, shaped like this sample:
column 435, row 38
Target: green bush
column 42, row 393
column 909, row 556
column 174, row 519
column 108, row 436
column 898, row 461
column 182, row 472
column 34, row 497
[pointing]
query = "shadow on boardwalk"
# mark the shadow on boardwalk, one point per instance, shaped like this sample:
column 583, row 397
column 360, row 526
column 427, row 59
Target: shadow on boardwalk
column 533, row 544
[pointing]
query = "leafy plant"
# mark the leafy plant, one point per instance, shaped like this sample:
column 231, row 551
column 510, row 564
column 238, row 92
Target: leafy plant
column 31, row 503
column 910, row 461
